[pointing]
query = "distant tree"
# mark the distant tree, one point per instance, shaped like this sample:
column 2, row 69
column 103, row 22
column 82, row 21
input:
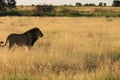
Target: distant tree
column 2, row 5
column 11, row 3
column 104, row 4
column 116, row 3
column 32, row 5
column 100, row 4
column 78, row 4
column 92, row 4
column 86, row 4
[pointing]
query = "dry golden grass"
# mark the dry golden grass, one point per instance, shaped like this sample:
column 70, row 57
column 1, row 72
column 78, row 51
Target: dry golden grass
column 71, row 49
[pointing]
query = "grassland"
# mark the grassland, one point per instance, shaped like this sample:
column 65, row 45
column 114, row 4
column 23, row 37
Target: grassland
column 72, row 49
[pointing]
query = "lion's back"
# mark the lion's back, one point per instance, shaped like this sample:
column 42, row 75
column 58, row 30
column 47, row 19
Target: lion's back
column 18, row 38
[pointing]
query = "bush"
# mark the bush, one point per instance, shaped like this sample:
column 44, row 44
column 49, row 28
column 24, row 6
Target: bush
column 78, row 4
column 73, row 13
column 26, row 13
column 66, row 12
column 10, row 13
column 44, row 8
column 44, row 14
column 90, row 4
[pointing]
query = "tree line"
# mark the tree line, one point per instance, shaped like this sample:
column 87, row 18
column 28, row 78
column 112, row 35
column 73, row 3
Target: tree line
column 116, row 3
column 90, row 4
column 6, row 8
column 9, row 4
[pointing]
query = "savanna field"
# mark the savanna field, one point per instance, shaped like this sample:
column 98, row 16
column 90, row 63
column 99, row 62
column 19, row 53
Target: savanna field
column 72, row 48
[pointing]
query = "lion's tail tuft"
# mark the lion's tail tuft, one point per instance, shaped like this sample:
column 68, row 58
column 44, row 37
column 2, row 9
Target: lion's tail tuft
column 2, row 44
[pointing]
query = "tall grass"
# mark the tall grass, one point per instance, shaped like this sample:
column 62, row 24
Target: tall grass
column 70, row 50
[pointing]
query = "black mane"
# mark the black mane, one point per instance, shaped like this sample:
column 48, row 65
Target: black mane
column 33, row 30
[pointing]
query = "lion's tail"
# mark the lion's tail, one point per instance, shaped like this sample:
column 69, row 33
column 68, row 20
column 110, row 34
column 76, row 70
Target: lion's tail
column 2, row 44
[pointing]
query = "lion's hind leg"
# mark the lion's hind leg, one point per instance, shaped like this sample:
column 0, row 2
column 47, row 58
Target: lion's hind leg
column 11, row 45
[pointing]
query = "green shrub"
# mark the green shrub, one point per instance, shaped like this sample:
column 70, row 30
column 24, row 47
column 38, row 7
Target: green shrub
column 26, row 13
column 10, row 13
column 44, row 14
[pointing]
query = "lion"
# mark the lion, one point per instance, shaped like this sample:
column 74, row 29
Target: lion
column 27, row 38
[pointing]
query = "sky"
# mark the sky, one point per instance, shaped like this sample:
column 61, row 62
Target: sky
column 61, row 2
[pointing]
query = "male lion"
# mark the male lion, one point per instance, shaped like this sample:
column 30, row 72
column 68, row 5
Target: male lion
column 28, row 38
